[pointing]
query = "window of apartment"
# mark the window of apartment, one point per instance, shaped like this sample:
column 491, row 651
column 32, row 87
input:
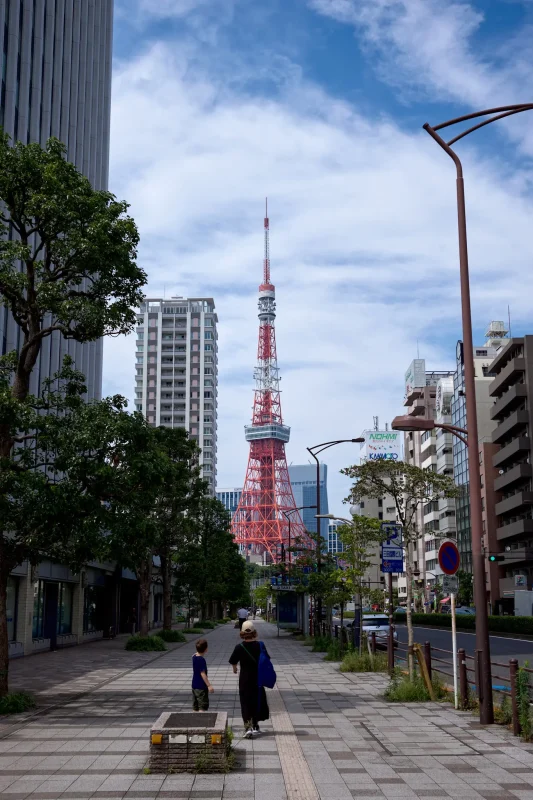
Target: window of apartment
column 208, row 431
column 208, row 443
column 380, row 502
column 362, row 504
column 380, row 514
column 390, row 509
column 208, row 334
column 208, row 346
column 208, row 395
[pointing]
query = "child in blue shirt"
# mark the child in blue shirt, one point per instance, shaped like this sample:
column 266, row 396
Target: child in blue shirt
column 201, row 688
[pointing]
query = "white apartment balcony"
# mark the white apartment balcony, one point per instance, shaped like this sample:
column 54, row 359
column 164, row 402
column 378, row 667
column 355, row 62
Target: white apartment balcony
column 428, row 461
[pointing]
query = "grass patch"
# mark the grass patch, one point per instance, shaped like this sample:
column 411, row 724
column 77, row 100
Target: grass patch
column 145, row 643
column 172, row 636
column 364, row 662
column 196, row 631
column 403, row 690
column 16, row 703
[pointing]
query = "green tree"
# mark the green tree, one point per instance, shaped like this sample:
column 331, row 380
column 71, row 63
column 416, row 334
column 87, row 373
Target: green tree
column 210, row 565
column 466, row 588
column 67, row 267
column 359, row 540
column 410, row 487
column 176, row 503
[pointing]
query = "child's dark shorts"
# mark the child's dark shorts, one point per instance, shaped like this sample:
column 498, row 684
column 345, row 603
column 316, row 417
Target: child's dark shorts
column 200, row 699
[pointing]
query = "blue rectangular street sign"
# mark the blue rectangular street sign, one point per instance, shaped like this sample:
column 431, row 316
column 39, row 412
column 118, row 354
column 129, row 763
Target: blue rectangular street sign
column 392, row 565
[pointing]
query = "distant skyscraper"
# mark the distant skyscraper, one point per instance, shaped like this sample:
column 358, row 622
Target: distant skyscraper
column 334, row 543
column 176, row 381
column 56, row 81
column 229, row 498
column 303, row 480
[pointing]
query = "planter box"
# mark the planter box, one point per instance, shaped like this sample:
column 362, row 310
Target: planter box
column 190, row 742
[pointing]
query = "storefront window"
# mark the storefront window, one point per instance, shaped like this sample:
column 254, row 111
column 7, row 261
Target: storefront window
column 12, row 586
column 64, row 608
column 38, row 610
column 92, row 608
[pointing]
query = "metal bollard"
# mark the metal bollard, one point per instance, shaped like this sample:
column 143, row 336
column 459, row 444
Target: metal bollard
column 427, row 656
column 513, row 670
column 479, row 675
column 463, row 678
column 373, row 642
column 390, row 650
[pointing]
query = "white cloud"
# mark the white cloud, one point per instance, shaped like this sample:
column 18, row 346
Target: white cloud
column 429, row 46
column 364, row 251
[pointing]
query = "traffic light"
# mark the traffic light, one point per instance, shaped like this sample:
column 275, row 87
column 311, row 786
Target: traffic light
column 496, row 558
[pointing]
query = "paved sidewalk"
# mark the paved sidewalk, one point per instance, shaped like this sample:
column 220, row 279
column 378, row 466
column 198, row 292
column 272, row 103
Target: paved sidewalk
column 330, row 737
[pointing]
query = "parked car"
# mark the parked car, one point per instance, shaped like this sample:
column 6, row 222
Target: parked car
column 465, row 610
column 400, row 610
column 378, row 624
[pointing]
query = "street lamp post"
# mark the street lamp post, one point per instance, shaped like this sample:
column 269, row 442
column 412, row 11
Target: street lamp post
column 486, row 711
column 315, row 451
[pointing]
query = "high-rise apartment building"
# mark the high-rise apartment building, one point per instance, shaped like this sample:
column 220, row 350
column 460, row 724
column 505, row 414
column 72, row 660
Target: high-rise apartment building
column 421, row 451
column 483, row 356
column 439, row 516
column 56, row 81
column 303, row 481
column 176, row 382
column 511, row 389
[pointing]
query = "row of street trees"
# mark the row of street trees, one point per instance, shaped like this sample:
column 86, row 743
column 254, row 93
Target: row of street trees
column 87, row 481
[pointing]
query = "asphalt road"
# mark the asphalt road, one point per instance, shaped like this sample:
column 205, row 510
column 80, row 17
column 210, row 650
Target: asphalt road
column 501, row 648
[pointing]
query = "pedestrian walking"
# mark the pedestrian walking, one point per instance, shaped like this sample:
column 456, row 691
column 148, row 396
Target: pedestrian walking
column 201, row 686
column 254, row 706
column 242, row 614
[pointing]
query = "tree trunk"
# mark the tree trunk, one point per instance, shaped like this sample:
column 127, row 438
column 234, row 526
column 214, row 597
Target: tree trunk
column 4, row 641
column 167, row 591
column 145, row 579
column 410, row 636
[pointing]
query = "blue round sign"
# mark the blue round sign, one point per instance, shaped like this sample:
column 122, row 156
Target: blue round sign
column 449, row 558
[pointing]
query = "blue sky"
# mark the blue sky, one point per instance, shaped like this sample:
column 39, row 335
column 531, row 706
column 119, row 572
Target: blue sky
column 319, row 104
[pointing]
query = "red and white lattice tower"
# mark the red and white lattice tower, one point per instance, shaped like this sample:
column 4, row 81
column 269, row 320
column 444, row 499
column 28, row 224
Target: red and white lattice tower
column 259, row 521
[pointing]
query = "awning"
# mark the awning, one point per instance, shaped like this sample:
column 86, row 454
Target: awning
column 445, row 600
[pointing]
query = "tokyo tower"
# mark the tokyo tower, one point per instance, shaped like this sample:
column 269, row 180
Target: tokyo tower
column 259, row 521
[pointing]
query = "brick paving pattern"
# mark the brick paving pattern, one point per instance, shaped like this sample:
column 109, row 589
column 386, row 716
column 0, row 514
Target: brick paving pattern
column 330, row 737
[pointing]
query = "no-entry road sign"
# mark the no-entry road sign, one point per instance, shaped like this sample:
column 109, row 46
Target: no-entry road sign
column 449, row 558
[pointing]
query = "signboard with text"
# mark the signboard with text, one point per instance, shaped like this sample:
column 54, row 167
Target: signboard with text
column 382, row 445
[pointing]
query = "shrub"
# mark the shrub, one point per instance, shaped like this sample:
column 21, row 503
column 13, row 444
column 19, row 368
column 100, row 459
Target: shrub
column 503, row 714
column 353, row 662
column 208, row 624
column 145, row 643
column 181, row 618
column 196, row 631
column 334, row 651
column 222, row 621
column 16, row 702
column 524, row 707
column 402, row 689
column 321, row 644
column 172, row 636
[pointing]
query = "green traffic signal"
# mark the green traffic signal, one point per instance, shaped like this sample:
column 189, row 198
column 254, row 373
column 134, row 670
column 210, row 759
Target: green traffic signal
column 496, row 558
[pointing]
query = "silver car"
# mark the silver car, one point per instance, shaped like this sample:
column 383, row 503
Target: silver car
column 378, row 624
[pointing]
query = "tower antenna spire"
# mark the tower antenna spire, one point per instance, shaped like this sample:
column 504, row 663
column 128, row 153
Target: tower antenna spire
column 266, row 260
column 260, row 523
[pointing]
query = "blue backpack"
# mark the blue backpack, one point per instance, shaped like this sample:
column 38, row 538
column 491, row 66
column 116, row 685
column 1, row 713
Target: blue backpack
column 266, row 674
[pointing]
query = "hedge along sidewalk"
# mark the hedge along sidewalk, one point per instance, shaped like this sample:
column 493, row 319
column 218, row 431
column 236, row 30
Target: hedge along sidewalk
column 467, row 623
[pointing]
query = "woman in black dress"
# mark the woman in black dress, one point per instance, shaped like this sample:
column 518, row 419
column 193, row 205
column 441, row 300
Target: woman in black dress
column 254, row 706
